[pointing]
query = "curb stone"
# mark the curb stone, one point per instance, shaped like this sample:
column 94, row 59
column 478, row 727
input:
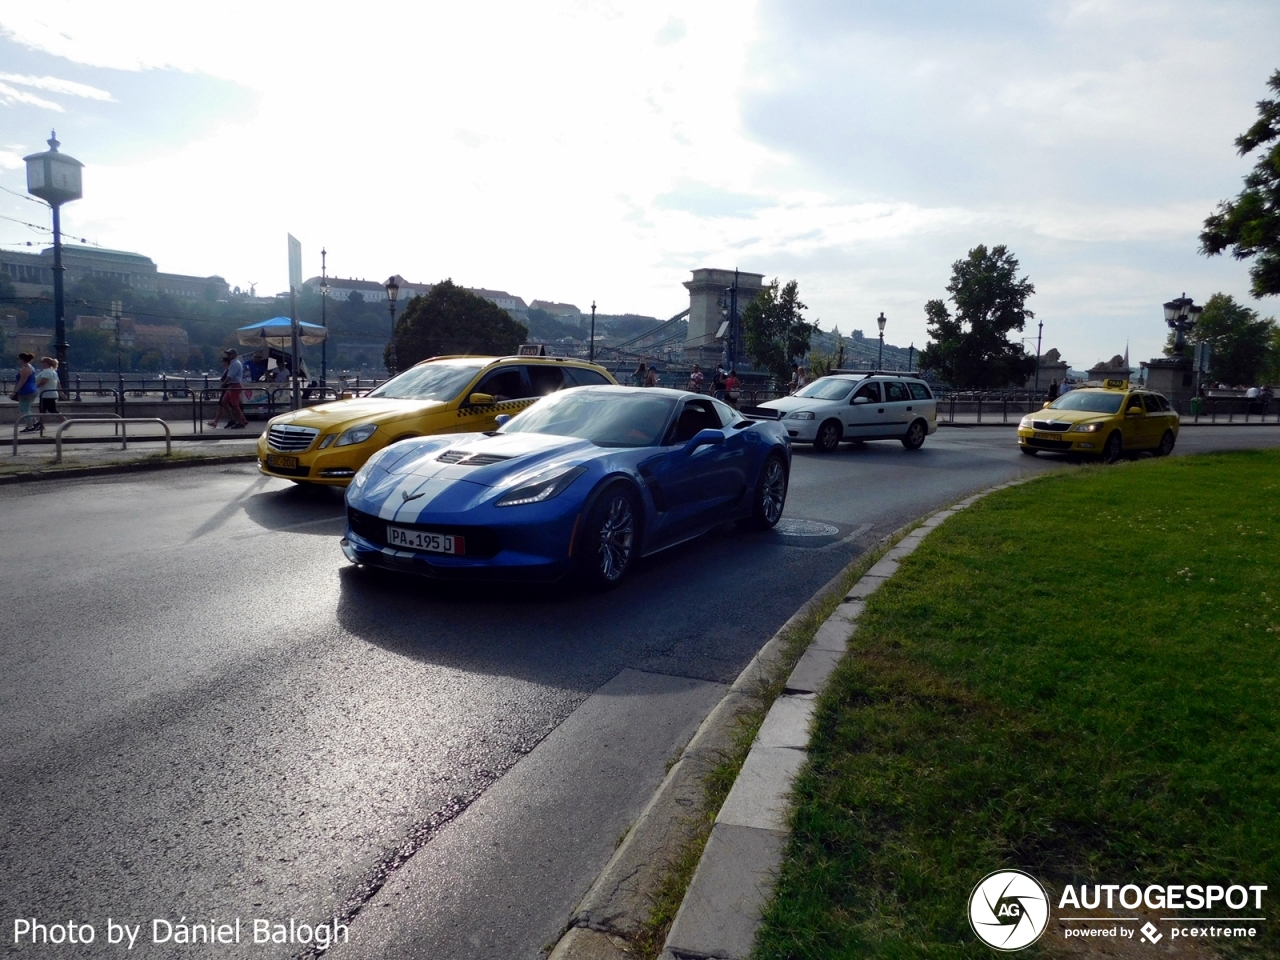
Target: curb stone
column 620, row 900
column 114, row 468
column 725, row 901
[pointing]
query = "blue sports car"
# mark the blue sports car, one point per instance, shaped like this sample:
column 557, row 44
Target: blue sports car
column 584, row 482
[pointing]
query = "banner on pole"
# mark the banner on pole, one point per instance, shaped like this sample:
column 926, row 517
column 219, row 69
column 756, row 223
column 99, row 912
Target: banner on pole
column 295, row 263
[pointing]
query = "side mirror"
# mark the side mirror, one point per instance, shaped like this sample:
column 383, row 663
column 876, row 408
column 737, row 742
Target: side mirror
column 1135, row 412
column 480, row 399
column 857, row 400
column 703, row 438
column 502, row 419
column 1046, row 405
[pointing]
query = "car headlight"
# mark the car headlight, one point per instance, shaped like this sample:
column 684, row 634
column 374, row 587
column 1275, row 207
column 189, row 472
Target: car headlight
column 801, row 415
column 1087, row 427
column 1025, row 424
column 356, row 435
column 541, row 488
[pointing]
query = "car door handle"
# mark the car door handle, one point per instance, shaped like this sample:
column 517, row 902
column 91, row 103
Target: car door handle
column 908, row 408
column 881, row 410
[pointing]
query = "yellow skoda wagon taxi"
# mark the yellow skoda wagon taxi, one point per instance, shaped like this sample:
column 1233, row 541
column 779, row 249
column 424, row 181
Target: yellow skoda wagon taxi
column 328, row 443
column 1107, row 421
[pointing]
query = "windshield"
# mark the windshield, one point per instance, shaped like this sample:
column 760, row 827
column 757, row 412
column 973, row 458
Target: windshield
column 606, row 419
column 429, row 381
column 1089, row 402
column 827, row 388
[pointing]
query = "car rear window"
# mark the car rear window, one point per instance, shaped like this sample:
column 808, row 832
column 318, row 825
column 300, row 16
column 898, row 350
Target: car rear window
column 919, row 391
column 585, row 378
column 895, row 391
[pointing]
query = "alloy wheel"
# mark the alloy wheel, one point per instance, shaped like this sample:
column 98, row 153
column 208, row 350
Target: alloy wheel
column 617, row 538
column 773, row 491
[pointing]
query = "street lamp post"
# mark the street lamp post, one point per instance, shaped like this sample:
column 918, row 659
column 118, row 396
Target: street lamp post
column 880, row 322
column 116, row 307
column 591, row 347
column 1181, row 314
column 324, row 322
column 393, row 291
column 55, row 178
column 911, row 354
column 1039, row 334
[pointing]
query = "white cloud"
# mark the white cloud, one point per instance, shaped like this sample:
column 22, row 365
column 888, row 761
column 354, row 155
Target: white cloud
column 9, row 96
column 572, row 151
column 55, row 85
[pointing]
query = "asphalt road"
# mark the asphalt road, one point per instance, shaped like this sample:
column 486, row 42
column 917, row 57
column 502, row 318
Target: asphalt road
column 206, row 713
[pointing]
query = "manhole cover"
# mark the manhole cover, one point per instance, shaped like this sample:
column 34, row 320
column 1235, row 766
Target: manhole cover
column 806, row 528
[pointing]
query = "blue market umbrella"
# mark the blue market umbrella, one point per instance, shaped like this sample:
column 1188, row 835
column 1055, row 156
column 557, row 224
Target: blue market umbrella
column 277, row 332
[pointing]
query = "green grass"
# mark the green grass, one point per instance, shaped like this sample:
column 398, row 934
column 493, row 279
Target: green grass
column 1077, row 677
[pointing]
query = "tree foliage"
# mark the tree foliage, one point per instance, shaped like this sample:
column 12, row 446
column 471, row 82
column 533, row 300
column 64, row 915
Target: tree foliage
column 1250, row 224
column 775, row 332
column 972, row 348
column 1241, row 343
column 452, row 319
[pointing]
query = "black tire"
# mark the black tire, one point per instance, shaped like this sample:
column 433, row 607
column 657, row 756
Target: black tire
column 610, row 540
column 1029, row 451
column 913, row 439
column 828, row 437
column 1114, row 448
column 770, row 496
column 1166, row 444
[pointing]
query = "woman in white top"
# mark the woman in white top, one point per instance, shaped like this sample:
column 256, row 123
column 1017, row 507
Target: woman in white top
column 48, row 389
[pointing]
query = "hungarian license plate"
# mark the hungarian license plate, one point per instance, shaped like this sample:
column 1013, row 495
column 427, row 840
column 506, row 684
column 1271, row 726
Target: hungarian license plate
column 428, row 542
column 284, row 463
column 1048, row 436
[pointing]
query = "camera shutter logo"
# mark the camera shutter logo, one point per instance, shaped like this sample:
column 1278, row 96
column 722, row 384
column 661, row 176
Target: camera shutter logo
column 1008, row 910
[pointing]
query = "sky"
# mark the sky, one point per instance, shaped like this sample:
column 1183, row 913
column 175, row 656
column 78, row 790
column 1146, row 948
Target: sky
column 600, row 150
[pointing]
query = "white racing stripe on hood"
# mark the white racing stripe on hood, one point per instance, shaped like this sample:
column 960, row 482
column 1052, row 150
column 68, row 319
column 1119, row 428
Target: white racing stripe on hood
column 396, row 507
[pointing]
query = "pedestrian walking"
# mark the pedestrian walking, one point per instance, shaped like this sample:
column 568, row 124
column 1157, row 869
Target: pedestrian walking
column 732, row 388
column 232, row 384
column 717, row 384
column 24, row 391
column 1053, row 389
column 696, row 379
column 641, row 371
column 651, row 377
column 48, row 389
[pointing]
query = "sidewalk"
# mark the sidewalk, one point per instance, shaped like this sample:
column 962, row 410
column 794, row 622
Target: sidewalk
column 92, row 448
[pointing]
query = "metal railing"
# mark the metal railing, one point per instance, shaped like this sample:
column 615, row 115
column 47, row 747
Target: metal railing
column 123, row 422
column 166, row 387
column 39, row 417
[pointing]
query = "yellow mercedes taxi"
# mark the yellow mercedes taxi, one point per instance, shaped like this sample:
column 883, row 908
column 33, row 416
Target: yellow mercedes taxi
column 328, row 443
column 1107, row 421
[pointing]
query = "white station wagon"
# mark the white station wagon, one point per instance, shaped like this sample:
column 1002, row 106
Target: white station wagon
column 851, row 406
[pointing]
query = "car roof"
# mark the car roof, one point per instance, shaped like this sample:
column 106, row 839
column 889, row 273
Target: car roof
column 487, row 361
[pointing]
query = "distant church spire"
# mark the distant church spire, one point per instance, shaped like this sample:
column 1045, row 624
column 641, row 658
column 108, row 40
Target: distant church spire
column 1126, row 353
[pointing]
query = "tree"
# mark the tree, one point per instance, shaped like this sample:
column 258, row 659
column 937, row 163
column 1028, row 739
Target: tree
column 1251, row 223
column 1241, row 344
column 775, row 332
column 972, row 349
column 452, row 319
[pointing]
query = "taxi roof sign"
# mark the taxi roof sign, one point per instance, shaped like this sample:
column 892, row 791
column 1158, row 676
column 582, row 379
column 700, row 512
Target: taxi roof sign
column 1115, row 384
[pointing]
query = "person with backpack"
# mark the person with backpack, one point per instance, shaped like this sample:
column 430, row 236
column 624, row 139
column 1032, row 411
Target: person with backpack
column 25, row 390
